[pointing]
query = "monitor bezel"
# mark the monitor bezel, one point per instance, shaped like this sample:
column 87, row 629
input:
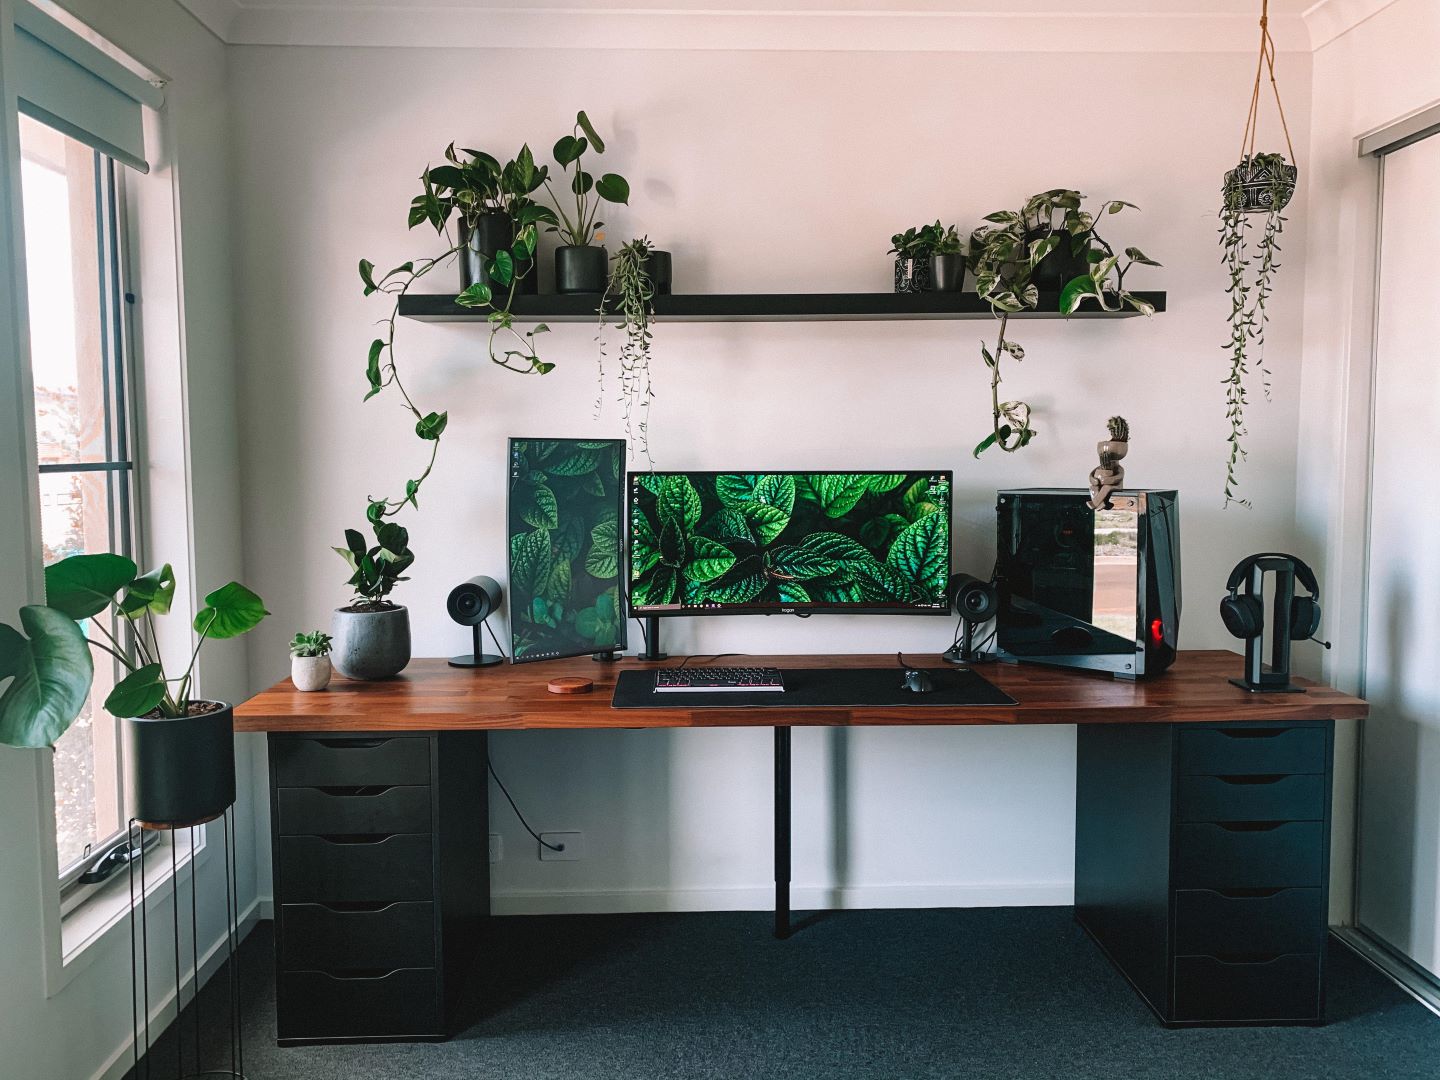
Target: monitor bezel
column 826, row 608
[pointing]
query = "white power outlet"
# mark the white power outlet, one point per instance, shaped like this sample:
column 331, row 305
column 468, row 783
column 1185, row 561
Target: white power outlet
column 572, row 845
column 497, row 847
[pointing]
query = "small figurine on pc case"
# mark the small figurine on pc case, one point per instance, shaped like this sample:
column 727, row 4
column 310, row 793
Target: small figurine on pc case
column 1109, row 476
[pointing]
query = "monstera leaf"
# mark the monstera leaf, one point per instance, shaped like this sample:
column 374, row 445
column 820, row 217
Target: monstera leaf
column 84, row 585
column 230, row 611
column 149, row 594
column 49, row 672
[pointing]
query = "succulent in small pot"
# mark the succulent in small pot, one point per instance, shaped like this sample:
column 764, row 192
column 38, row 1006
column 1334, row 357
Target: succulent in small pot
column 372, row 634
column 580, row 266
column 310, row 660
column 180, row 748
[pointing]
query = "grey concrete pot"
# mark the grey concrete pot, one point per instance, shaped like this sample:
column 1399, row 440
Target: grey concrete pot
column 370, row 644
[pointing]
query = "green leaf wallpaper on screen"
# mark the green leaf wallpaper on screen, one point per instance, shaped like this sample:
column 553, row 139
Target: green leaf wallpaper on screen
column 565, row 502
column 874, row 540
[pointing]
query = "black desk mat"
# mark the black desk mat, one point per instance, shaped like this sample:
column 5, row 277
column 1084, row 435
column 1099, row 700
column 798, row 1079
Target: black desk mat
column 811, row 687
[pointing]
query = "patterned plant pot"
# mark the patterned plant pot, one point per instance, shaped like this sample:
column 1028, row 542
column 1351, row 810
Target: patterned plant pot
column 911, row 275
column 1257, row 186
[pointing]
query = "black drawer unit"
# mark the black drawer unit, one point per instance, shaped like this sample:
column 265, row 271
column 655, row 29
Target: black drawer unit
column 379, row 848
column 1202, row 865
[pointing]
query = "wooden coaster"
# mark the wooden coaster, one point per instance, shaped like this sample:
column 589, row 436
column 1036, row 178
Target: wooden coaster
column 570, row 685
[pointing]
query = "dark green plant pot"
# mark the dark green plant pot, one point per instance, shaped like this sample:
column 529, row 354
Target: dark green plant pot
column 181, row 772
column 581, row 269
column 492, row 233
column 1061, row 265
column 659, row 269
column 947, row 272
column 370, row 644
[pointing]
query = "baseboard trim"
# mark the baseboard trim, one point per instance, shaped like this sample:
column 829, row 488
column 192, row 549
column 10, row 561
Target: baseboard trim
column 1420, row 985
column 762, row 898
column 164, row 1012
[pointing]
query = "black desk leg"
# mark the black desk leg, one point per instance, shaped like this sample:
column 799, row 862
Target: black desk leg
column 782, row 832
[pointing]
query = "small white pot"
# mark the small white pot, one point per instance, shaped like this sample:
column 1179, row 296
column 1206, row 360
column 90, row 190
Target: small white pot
column 310, row 672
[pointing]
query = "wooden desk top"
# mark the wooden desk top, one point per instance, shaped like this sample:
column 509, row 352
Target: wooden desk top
column 430, row 695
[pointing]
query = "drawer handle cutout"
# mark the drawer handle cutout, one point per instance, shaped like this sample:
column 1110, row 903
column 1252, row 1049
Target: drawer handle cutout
column 355, row 792
column 1246, row 959
column 343, row 907
column 1272, row 778
column 1247, row 894
column 360, row 974
column 352, row 744
column 358, row 838
column 1249, row 826
column 1254, row 733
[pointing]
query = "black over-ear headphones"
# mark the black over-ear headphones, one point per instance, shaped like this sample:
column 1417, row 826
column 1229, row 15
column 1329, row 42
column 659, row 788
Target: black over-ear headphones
column 1244, row 614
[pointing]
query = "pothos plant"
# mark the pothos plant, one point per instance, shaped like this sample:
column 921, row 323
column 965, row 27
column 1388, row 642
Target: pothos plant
column 586, row 191
column 464, row 188
column 1005, row 255
column 630, row 293
column 1251, row 275
column 376, row 569
column 49, row 664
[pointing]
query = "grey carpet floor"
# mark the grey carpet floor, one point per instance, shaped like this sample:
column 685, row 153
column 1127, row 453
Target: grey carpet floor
column 998, row 994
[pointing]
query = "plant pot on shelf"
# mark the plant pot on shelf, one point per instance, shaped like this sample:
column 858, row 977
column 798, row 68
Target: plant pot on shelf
column 1260, row 184
column 478, row 245
column 911, row 274
column 659, row 269
column 1055, row 270
column 182, row 770
column 310, row 672
column 581, row 269
column 947, row 272
column 371, row 644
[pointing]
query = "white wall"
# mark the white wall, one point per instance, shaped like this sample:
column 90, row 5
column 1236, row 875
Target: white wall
column 83, row 1028
column 1379, row 71
column 762, row 171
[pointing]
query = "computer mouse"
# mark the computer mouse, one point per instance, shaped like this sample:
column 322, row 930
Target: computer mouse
column 917, row 682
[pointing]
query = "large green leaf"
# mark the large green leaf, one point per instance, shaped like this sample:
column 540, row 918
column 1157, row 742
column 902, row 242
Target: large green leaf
column 138, row 693
column 727, row 525
column 922, row 553
column 577, row 463
column 661, row 587
column 557, row 585
column 583, row 123
column 708, row 560
column 678, row 503
column 792, row 592
column 768, row 522
column 839, row 492
column 603, row 559
column 736, row 490
column 613, row 188
column 50, row 673
column 672, row 544
column 152, row 593
column 84, row 585
column 538, row 507
column 230, row 611
column 883, row 482
column 530, row 561
column 740, row 591
column 879, row 531
column 777, row 491
column 798, row 563
column 839, row 548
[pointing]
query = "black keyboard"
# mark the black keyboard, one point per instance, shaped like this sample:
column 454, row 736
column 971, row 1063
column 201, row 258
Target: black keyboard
column 719, row 680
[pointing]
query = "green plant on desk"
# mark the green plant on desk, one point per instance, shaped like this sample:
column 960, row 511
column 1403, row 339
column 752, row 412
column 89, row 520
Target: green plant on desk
column 376, row 569
column 314, row 643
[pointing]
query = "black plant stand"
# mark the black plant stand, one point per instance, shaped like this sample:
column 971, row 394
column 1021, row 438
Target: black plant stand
column 140, row 955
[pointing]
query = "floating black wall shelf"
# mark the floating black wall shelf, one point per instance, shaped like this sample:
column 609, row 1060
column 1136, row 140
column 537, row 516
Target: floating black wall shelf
column 761, row 307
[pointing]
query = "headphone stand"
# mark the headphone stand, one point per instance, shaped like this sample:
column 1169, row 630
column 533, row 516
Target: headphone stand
column 1274, row 677
column 477, row 658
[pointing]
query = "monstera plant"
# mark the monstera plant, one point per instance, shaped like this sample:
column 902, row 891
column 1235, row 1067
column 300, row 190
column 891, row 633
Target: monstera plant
column 756, row 538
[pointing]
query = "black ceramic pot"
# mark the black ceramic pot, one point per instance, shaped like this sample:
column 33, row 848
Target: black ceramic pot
column 1061, row 265
column 947, row 272
column 581, row 269
column 911, row 275
column 1254, row 187
column 658, row 269
column 182, row 771
column 492, row 233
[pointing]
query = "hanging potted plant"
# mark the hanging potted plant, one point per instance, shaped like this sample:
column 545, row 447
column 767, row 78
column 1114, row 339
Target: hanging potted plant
column 580, row 264
column 372, row 633
column 1005, row 256
column 310, row 660
column 180, row 748
column 1260, row 186
column 630, row 294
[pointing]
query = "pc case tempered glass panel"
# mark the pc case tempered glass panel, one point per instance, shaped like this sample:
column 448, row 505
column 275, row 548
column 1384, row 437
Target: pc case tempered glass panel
column 720, row 543
column 564, row 510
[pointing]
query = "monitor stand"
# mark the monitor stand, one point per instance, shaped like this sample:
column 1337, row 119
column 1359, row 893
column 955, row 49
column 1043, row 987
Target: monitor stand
column 652, row 649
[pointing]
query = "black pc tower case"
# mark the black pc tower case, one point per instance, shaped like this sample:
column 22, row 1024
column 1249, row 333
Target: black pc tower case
column 1091, row 589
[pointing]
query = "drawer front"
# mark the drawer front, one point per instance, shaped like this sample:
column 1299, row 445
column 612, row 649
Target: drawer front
column 1219, row 924
column 346, row 761
column 1241, row 751
column 390, row 868
column 1282, row 988
column 1209, row 856
column 1253, row 798
column 338, row 811
column 318, row 1005
column 382, row 937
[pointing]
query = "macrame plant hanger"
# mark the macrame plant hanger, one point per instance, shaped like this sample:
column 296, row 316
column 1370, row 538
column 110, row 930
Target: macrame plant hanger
column 1265, row 64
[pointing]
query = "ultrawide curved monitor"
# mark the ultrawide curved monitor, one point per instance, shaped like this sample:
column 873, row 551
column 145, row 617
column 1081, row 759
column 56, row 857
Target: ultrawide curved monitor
column 724, row 543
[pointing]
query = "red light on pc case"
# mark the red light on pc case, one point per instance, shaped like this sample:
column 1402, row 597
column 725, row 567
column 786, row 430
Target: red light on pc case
column 1157, row 630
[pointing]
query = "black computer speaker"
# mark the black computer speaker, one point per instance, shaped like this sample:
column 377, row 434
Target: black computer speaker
column 973, row 600
column 472, row 601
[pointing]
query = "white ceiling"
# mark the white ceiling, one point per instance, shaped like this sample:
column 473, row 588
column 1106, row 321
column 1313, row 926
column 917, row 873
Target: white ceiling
column 889, row 25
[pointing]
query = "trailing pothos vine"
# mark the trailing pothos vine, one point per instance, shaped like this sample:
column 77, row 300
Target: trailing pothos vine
column 466, row 188
column 631, row 293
